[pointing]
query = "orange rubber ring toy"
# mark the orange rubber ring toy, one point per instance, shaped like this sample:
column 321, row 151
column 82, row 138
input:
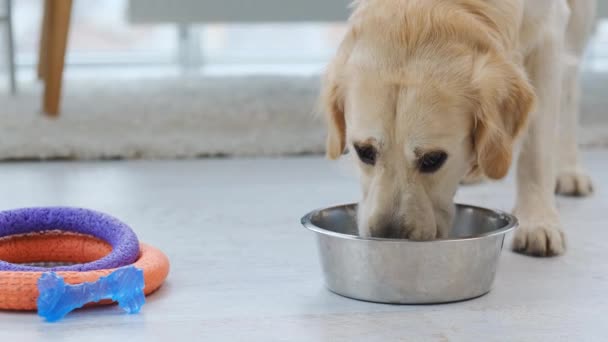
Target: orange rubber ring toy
column 19, row 290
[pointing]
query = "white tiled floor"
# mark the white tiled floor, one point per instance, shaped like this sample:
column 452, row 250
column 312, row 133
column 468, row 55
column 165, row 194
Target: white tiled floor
column 243, row 268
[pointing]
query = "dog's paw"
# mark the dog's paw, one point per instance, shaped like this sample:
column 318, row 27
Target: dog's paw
column 574, row 183
column 539, row 238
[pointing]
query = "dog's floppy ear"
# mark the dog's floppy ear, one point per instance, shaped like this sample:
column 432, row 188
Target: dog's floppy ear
column 332, row 96
column 505, row 100
column 333, row 103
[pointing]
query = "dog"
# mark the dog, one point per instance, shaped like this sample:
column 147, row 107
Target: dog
column 428, row 93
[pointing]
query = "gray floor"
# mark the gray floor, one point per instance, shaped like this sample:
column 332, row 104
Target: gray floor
column 243, row 269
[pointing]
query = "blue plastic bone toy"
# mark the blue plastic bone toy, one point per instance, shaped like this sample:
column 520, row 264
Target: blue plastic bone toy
column 57, row 299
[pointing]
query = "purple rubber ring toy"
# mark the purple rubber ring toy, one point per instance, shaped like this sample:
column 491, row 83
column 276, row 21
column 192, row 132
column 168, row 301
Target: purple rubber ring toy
column 125, row 246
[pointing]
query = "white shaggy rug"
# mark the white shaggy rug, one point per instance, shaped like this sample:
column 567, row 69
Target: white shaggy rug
column 166, row 118
column 186, row 118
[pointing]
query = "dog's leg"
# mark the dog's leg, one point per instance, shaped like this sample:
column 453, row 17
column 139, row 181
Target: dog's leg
column 572, row 180
column 540, row 233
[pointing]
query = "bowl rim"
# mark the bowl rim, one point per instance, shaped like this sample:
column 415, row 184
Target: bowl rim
column 512, row 223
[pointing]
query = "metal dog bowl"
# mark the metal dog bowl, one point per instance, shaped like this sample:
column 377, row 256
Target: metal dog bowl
column 395, row 271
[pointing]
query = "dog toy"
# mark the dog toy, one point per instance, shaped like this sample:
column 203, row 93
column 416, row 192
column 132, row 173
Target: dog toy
column 125, row 246
column 19, row 290
column 57, row 299
column 70, row 235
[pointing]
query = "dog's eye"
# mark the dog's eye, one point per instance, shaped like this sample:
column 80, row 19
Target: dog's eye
column 367, row 154
column 432, row 161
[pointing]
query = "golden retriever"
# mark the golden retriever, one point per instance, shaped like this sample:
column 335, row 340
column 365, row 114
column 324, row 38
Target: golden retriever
column 428, row 92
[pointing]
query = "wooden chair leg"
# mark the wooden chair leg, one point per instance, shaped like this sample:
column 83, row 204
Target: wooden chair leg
column 44, row 41
column 59, row 21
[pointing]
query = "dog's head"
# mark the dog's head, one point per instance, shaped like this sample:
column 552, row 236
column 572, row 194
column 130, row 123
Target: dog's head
column 419, row 104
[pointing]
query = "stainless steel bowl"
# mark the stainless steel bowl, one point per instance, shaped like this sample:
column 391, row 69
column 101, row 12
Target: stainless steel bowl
column 395, row 271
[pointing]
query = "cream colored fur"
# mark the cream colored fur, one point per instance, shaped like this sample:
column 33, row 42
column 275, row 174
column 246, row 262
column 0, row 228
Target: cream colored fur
column 473, row 79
